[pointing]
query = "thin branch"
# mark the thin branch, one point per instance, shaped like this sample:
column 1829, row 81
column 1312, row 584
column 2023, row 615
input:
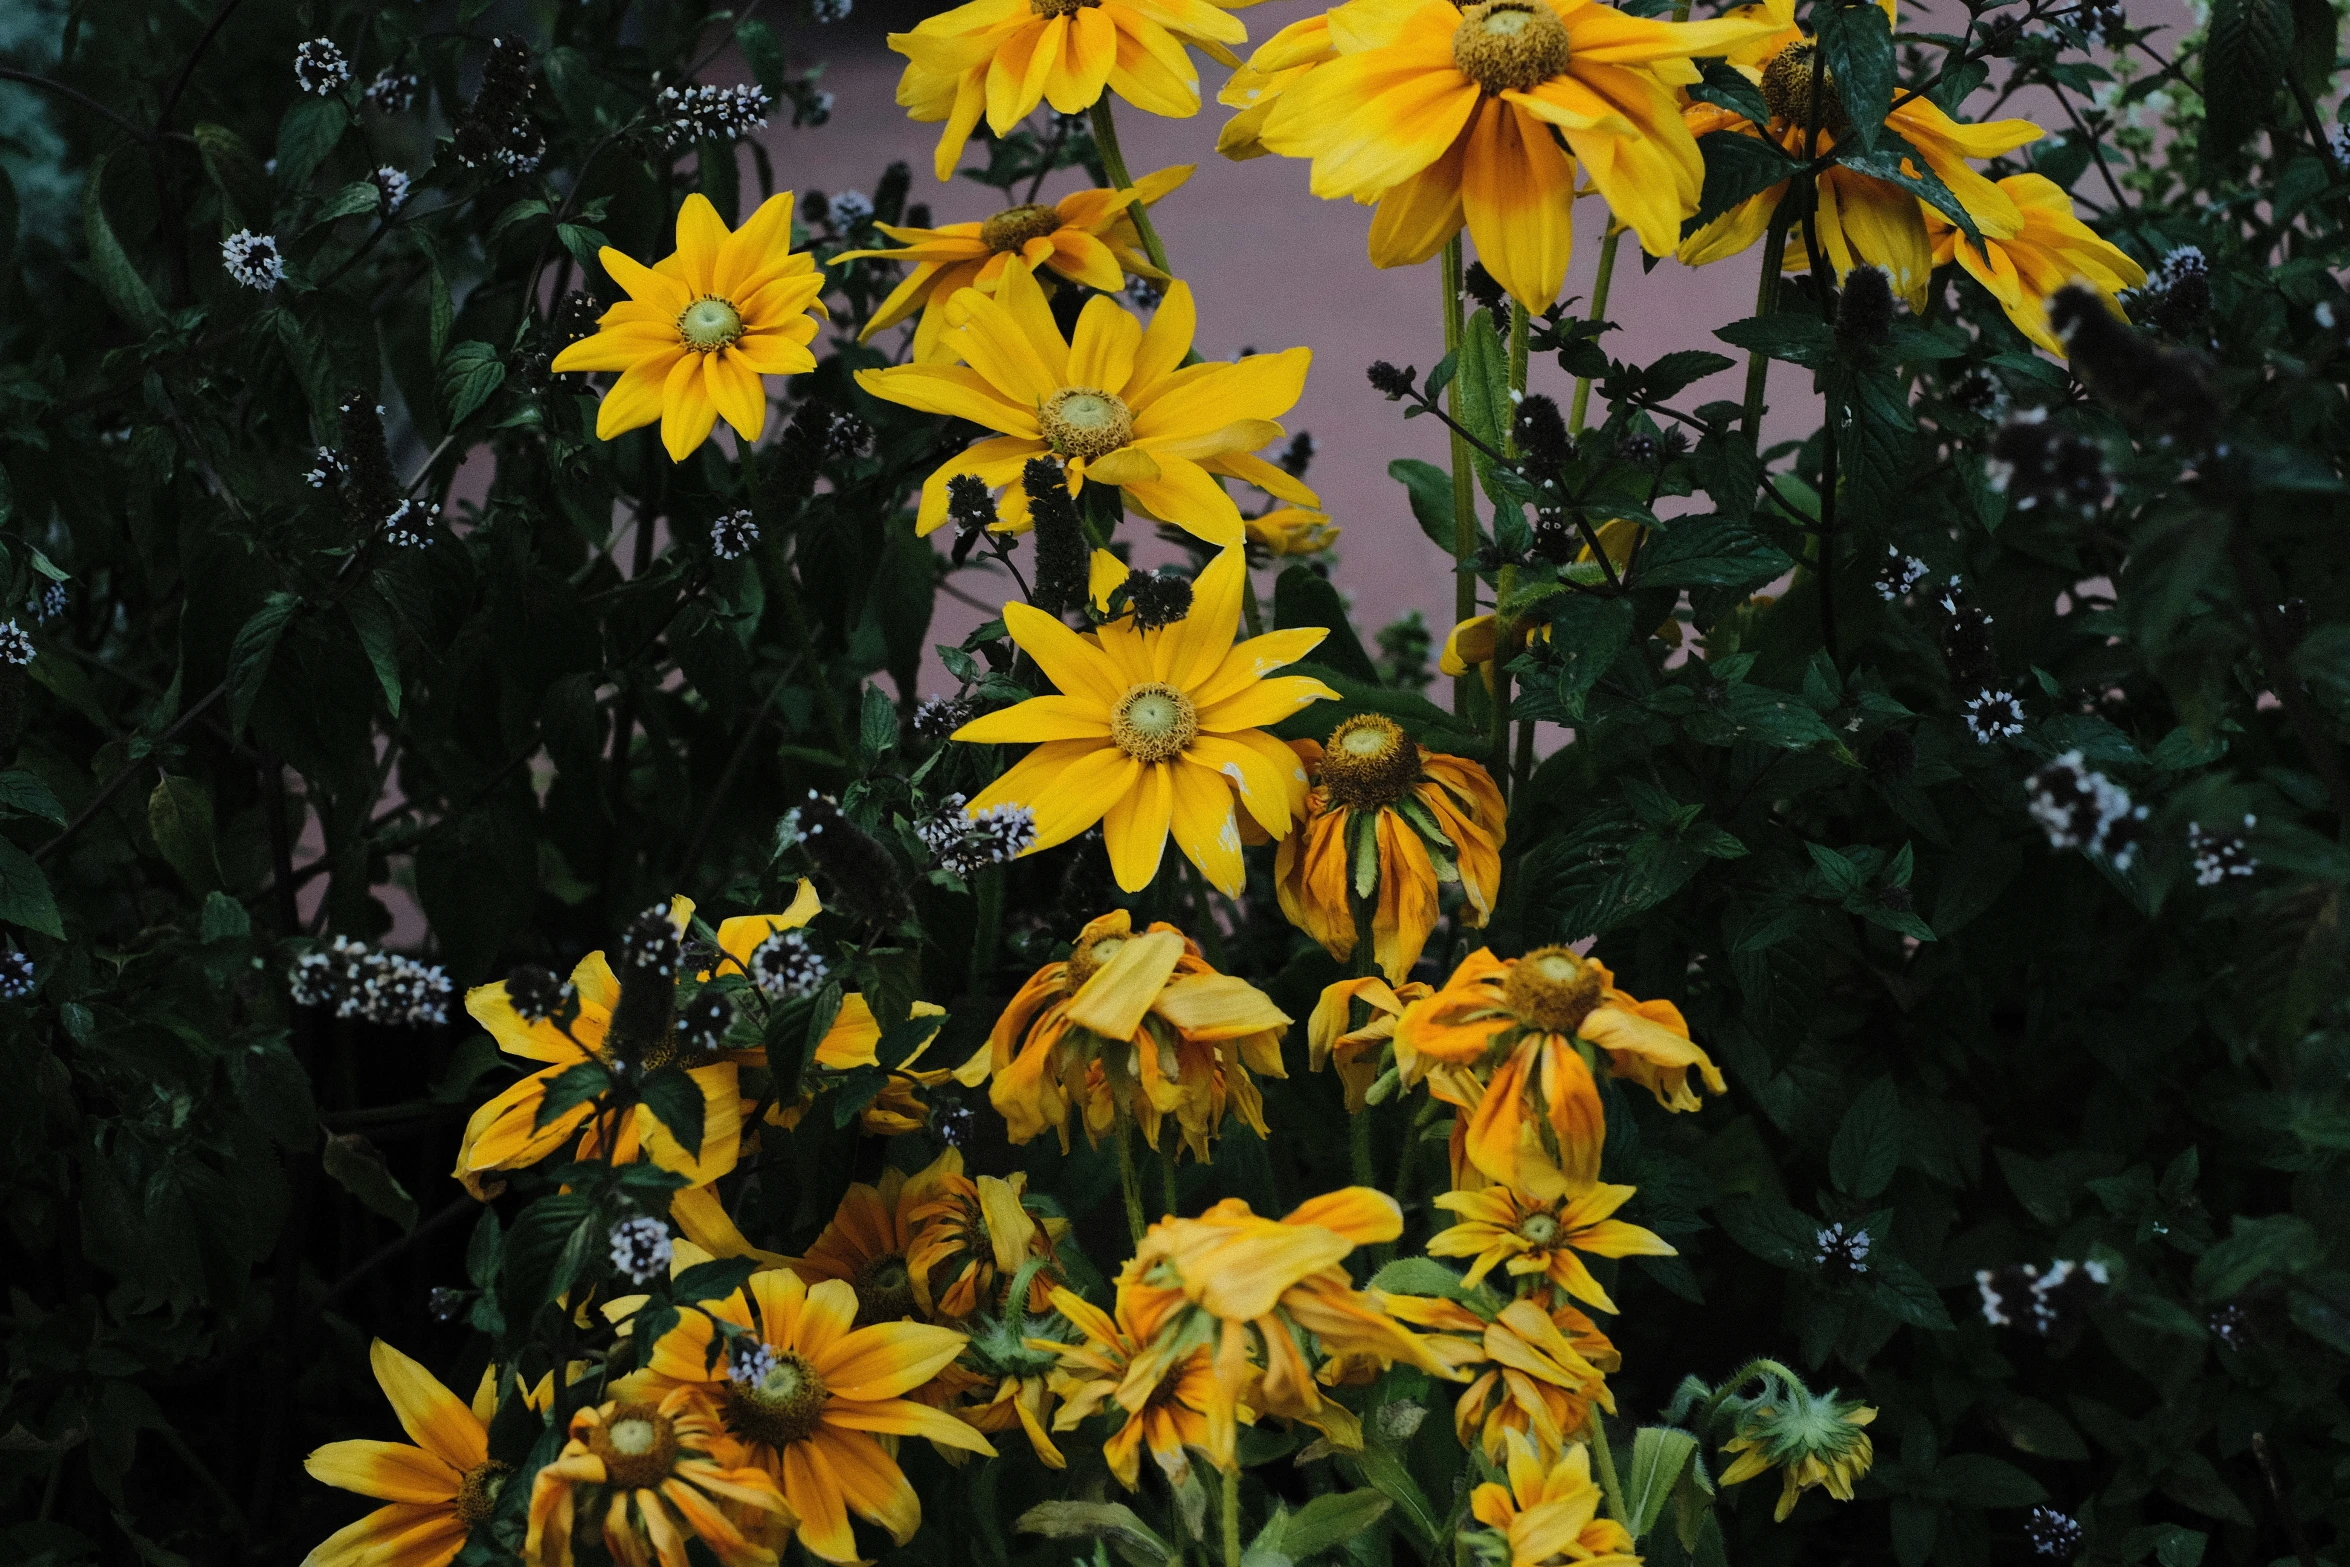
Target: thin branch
column 74, row 94
column 113, row 786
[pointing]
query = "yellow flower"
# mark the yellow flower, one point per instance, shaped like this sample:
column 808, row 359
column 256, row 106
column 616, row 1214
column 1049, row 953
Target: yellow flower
column 1388, row 821
column 1357, row 1051
column 2052, row 248
column 1549, row 1512
column 970, row 1238
column 1087, row 237
column 1525, row 1235
column 812, row 1396
column 1470, row 645
column 869, row 1245
column 505, row 1133
column 849, row 1044
column 1292, row 530
column 1279, row 63
column 701, row 326
column 1812, row 1439
column 1167, row 1413
column 1136, row 1028
column 437, row 1489
column 1023, row 1402
column 1448, row 116
column 1152, row 732
column 1003, row 57
column 1516, row 1022
column 662, row 1470
column 1862, row 220
column 1534, row 1370
column 1115, row 401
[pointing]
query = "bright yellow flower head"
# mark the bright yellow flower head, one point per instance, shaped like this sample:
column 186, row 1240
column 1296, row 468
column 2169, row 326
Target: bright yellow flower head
column 850, row 1043
column 972, row 1236
column 1549, row 1512
column 1154, row 732
column 1279, row 63
column 437, row 1489
column 1528, row 1236
column 1534, row 1370
column 1088, row 237
column 649, row 1472
column 1168, row 1414
column 1004, row 57
column 1117, row 404
column 1293, row 530
column 1812, row 1439
column 2052, row 248
column 1448, row 115
column 701, row 326
column 869, row 1245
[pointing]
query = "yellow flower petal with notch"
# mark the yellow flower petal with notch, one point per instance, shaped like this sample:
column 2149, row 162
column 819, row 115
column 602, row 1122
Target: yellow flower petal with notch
column 2051, row 249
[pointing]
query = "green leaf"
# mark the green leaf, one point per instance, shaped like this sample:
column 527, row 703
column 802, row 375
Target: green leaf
column 1659, row 1456
column 482, row 1251
column 1484, row 386
column 358, row 1167
column 2246, row 51
column 179, row 813
column 250, row 655
column 24, row 893
column 1381, row 1466
column 1302, row 596
column 1867, row 1150
column 1900, row 1291
column 877, row 724
column 1776, row 1233
column 545, row 1249
column 223, row 919
column 235, row 173
column 2281, row 1243
column 1115, row 1522
column 1430, row 490
column 1893, row 160
column 1738, row 166
column 2316, row 38
column 1322, row 1525
column 470, row 373
column 357, row 197
column 2038, row 1429
column 305, row 136
column 25, row 794
column 371, row 618
column 1979, row 1480
column 1727, row 87
column 574, row 1086
column 1856, row 47
column 1794, row 336
column 1587, row 632
column 2194, row 1482
column 110, row 267
column 1427, row 1276
column 677, row 1103
column 713, row 1280
column 1701, row 552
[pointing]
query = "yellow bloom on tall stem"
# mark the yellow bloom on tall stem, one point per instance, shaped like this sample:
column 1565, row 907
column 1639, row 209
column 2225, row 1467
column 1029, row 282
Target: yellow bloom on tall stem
column 1279, row 63
column 1449, row 116
column 1153, row 732
column 869, row 1245
column 1521, row 1025
column 1357, row 1051
column 1535, row 1370
column 437, row 1490
column 811, row 1396
column 1131, row 1028
column 661, row 1470
column 971, row 1237
column 1087, row 237
column 2051, row 249
column 1527, row 1236
column 1115, row 402
column 702, row 325
column 1004, row 57
column 1548, row 1514
column 1390, row 822
column 1167, row 1413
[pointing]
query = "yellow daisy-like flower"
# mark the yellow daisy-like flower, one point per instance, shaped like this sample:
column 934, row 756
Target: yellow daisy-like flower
column 869, row 1245
column 971, row 1237
column 661, row 1471
column 1153, row 732
column 701, row 326
column 1004, row 57
column 852, row 1042
column 1115, row 402
column 1167, row 1413
column 1449, row 116
column 1088, row 237
column 1391, row 822
column 811, row 1398
column 1812, row 1439
column 1537, row 1123
column 1548, row 1514
column 1292, row 530
column 437, row 1490
column 1526, row 1235
column 2052, row 248
column 1357, row 1051
column 1279, row 63
column 1535, row 1370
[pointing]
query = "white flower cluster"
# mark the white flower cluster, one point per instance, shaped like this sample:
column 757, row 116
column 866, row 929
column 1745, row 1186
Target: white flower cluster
column 16, row 975
column 253, row 259
column 392, row 185
column 52, row 602
column 2082, row 809
column 1900, row 575
column 2032, row 1297
column 2217, row 857
column 732, row 535
column 1847, row 1249
column 748, row 1362
column 967, row 843
column 391, row 92
column 16, row 644
column 721, row 114
column 376, row 987
column 829, row 10
column 640, row 1249
column 319, row 67
column 331, row 469
column 409, row 524
column 1994, row 713
column 786, row 967
column 850, row 208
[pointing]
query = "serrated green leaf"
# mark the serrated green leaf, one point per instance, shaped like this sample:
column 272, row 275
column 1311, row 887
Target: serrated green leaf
column 470, row 373
column 1867, row 1149
column 358, row 1167
column 111, row 269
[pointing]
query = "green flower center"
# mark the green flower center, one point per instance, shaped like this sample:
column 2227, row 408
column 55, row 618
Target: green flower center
column 1085, row 421
column 1551, row 990
column 785, row 1407
column 1510, row 45
column 1154, row 723
column 709, row 324
column 885, row 1290
column 1014, row 227
column 1086, row 962
column 638, row 1447
column 1541, row 1228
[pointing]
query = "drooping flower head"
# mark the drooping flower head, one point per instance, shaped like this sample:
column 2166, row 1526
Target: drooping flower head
column 971, row 1238
column 1530, row 1237
column 1166, row 1412
column 1812, row 1439
column 1535, row 1369
column 1088, row 237
column 1505, row 1039
column 1115, row 402
column 1390, row 822
column 435, row 1491
column 648, row 1473
column 870, row 1243
column 2051, row 249
column 1332, row 1036
column 702, row 325
column 1548, row 1514
column 1153, row 732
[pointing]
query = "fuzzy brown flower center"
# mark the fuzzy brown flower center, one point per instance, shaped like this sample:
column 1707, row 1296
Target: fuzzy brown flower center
column 1016, row 226
column 1793, row 75
column 1510, row 45
column 1370, row 763
column 784, row 1406
column 1059, row 7
column 885, row 1290
column 638, row 1446
column 1154, row 723
column 477, row 1494
column 1085, row 421
column 1552, row 990
column 709, row 324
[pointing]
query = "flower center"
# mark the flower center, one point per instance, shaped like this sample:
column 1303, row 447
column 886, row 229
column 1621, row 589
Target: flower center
column 1793, row 75
column 885, row 1290
column 785, row 1406
column 1370, row 763
column 1510, row 45
column 1059, row 7
column 1084, row 421
column 638, row 1446
column 1540, row 1228
column 1552, row 990
column 477, row 1495
column 709, row 324
column 1087, row 961
column 1016, row 226
column 1154, row 723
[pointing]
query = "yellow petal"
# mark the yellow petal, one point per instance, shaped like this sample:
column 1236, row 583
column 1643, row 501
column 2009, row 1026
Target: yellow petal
column 1113, row 1001
column 436, row 1419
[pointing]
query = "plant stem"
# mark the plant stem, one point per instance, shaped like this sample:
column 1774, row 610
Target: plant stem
column 1231, row 1518
column 1599, row 291
column 1130, row 1181
column 1168, row 1190
column 1464, row 499
column 1105, row 141
column 1826, row 565
column 1595, row 1431
column 990, row 896
column 1766, row 299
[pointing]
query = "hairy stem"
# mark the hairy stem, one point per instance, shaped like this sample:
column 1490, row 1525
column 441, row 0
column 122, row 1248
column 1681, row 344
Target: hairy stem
column 1464, row 498
column 1602, row 1458
column 1231, row 1519
column 1599, row 291
column 1766, row 299
column 1130, row 1181
column 1105, row 141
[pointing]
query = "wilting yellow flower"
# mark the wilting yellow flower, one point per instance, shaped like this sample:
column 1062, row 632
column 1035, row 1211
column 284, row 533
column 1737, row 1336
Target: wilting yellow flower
column 811, row 1397
column 1115, row 402
column 1088, row 237
column 1280, row 61
column 702, row 325
column 1129, row 1026
column 869, row 1245
column 505, row 1134
column 1357, row 1051
column 1549, row 1512
column 1152, row 732
column 1470, row 645
column 1862, row 220
column 1388, row 821
column 1024, row 1403
column 1261, row 1288
column 971, row 1237
column 437, row 1489
column 1527, row 1235
column 1003, row 57
column 851, row 1043
column 1537, row 1122
column 1534, row 1370
column 1293, row 530
column 1167, row 1413
column 744, row 940
column 2052, row 248
column 1448, row 116
column 1812, row 1439
column 660, row 1470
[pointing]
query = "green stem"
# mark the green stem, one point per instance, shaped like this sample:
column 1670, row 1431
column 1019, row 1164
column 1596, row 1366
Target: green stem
column 1250, row 613
column 1595, row 1431
column 990, row 895
column 1407, row 1162
column 1464, row 499
column 1599, row 292
column 1359, row 1148
column 1130, row 1181
column 1232, row 1516
column 1105, row 141
column 1168, row 1190
column 1766, row 299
